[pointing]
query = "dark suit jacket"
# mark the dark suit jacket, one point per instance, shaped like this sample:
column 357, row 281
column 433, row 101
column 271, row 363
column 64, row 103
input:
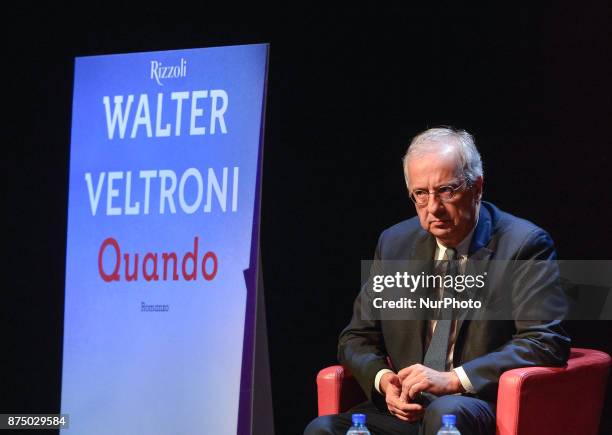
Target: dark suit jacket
column 484, row 348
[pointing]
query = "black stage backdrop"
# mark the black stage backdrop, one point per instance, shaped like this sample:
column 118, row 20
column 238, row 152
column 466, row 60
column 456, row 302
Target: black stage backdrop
column 346, row 92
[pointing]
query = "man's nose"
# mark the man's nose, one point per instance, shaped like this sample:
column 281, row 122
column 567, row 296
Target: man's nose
column 433, row 204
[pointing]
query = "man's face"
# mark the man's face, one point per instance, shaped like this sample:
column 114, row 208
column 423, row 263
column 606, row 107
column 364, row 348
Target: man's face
column 450, row 222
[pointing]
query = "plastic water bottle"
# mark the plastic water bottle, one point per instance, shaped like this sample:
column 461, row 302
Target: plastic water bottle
column 358, row 427
column 448, row 425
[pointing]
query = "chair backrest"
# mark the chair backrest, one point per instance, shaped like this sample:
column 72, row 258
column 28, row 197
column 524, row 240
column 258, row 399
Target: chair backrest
column 589, row 368
column 543, row 400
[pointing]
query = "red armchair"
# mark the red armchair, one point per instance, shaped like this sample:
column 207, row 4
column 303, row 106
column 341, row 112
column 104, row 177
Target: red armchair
column 530, row 401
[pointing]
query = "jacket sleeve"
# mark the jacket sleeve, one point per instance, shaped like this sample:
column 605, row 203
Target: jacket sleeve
column 361, row 346
column 538, row 306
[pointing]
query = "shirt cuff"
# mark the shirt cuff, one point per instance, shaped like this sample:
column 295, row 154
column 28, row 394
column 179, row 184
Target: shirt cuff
column 378, row 377
column 465, row 381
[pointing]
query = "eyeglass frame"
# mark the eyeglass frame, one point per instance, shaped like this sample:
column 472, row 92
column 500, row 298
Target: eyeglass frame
column 466, row 181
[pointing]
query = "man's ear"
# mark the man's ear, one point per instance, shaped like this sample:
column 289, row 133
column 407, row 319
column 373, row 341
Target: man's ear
column 478, row 186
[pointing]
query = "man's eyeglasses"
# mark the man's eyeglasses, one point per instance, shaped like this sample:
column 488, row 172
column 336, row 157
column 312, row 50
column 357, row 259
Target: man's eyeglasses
column 445, row 193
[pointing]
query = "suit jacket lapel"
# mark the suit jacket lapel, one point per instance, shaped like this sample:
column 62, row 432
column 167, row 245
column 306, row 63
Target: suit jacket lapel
column 422, row 259
column 479, row 254
column 424, row 247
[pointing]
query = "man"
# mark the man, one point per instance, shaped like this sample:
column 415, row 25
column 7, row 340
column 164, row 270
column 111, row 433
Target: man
column 415, row 371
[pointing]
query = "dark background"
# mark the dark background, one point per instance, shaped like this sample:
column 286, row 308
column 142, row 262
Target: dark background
column 346, row 92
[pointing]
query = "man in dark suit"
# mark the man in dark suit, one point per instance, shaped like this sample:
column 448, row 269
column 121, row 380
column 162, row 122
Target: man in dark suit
column 415, row 370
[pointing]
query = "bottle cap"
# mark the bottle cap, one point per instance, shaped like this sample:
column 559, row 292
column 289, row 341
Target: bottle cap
column 449, row 419
column 359, row 419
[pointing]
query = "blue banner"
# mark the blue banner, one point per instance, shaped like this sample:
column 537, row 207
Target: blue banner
column 162, row 241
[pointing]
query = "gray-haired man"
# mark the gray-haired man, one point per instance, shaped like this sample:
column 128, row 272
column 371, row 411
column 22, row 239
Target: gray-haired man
column 395, row 361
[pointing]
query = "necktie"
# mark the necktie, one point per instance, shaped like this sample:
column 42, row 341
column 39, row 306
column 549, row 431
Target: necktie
column 436, row 354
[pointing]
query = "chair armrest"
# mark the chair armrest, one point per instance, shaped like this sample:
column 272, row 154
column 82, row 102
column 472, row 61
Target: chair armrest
column 337, row 390
column 550, row 400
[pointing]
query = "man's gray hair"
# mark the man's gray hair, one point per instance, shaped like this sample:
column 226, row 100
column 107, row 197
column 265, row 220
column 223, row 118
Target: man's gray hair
column 439, row 138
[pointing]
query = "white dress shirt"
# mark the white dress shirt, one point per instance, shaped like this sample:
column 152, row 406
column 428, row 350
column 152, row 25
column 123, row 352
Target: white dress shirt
column 462, row 253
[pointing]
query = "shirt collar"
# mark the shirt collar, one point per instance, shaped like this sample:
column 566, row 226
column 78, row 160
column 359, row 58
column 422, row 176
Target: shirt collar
column 462, row 248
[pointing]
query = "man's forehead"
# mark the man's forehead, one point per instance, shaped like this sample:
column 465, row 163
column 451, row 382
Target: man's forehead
column 434, row 165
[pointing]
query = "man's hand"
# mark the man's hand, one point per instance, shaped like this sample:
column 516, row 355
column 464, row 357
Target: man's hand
column 417, row 378
column 391, row 387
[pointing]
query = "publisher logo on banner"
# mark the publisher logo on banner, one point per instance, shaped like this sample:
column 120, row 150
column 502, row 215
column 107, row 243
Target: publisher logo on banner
column 160, row 72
